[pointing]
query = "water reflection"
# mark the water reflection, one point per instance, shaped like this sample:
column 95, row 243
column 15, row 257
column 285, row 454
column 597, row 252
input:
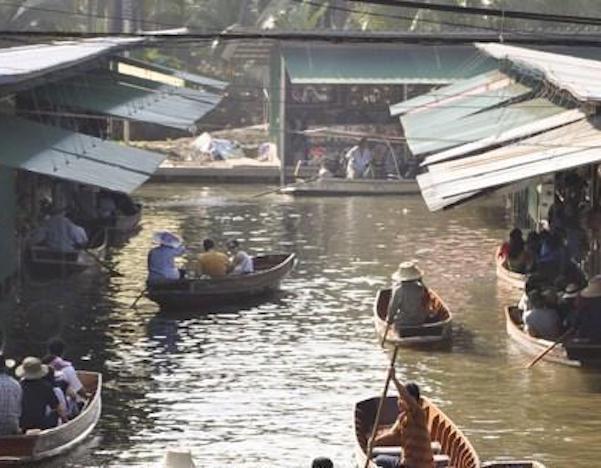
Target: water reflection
column 274, row 383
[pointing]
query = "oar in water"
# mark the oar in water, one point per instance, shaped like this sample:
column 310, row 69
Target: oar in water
column 138, row 298
column 105, row 265
column 267, row 192
column 374, row 430
column 549, row 348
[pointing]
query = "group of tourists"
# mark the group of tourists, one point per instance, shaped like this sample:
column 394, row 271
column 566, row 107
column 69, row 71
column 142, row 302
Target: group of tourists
column 47, row 394
column 211, row 262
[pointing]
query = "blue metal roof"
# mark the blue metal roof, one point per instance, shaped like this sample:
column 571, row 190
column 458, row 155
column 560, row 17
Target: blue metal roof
column 61, row 153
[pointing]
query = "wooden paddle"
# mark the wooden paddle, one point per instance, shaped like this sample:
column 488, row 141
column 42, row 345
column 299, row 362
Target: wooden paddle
column 138, row 298
column 109, row 268
column 370, row 441
column 549, row 348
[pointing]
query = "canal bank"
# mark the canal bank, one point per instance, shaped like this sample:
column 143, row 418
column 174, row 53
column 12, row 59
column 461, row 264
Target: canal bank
column 311, row 352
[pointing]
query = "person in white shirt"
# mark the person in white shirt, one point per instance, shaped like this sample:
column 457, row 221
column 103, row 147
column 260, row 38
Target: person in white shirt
column 242, row 263
column 60, row 233
column 358, row 160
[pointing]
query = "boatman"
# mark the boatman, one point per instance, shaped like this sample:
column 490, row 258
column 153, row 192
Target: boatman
column 408, row 305
column 60, row 233
column 410, row 431
column 358, row 160
column 161, row 259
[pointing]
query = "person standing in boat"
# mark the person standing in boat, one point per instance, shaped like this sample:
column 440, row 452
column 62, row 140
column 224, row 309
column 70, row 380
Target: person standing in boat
column 410, row 431
column 161, row 259
column 10, row 401
column 408, row 305
column 212, row 262
column 60, row 233
column 358, row 160
column 241, row 263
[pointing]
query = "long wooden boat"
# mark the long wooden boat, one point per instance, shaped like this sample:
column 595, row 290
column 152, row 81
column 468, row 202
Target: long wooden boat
column 196, row 292
column 573, row 352
column 437, row 331
column 44, row 263
column 513, row 464
column 454, row 449
column 339, row 186
column 38, row 445
column 516, row 280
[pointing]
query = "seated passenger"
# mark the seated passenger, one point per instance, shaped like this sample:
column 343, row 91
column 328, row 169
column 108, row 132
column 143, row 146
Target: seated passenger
column 241, row 263
column 212, row 262
column 37, row 395
column 589, row 311
column 10, row 401
column 65, row 372
column 410, row 431
column 60, row 414
column 358, row 160
column 515, row 236
column 161, row 259
column 541, row 321
column 408, row 305
column 59, row 233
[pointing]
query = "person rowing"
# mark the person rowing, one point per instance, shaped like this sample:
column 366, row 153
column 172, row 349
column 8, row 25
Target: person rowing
column 408, row 306
column 161, row 259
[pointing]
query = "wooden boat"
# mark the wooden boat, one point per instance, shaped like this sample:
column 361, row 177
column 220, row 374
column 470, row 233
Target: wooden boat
column 453, row 448
column 339, row 186
column 196, row 292
column 574, row 352
column 44, row 263
column 437, row 331
column 517, row 280
column 34, row 446
column 513, row 464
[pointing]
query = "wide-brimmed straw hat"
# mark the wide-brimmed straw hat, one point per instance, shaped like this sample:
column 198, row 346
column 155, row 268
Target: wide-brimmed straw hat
column 31, row 369
column 593, row 289
column 167, row 239
column 570, row 291
column 408, row 271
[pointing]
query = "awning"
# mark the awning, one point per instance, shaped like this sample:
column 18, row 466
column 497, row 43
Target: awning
column 578, row 76
column 399, row 65
column 131, row 98
column 429, row 138
column 563, row 148
column 185, row 77
column 73, row 156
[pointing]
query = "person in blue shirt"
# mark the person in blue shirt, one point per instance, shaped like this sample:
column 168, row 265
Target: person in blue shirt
column 161, row 259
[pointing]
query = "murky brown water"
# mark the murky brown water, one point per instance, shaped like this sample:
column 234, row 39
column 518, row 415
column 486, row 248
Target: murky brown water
column 274, row 385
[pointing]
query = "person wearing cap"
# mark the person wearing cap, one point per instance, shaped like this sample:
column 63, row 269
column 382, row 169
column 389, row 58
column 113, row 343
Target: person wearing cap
column 410, row 431
column 161, row 259
column 589, row 311
column 60, row 233
column 408, row 305
column 38, row 394
column 10, row 401
column 212, row 262
column 240, row 262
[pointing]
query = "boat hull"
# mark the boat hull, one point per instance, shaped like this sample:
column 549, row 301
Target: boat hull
column 429, row 334
column 341, row 187
column 20, row 449
column 194, row 293
column 442, row 430
column 511, row 278
column 573, row 353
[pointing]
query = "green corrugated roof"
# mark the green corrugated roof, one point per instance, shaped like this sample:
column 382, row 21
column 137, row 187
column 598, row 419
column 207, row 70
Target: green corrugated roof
column 430, row 138
column 61, row 153
column 132, row 99
column 383, row 65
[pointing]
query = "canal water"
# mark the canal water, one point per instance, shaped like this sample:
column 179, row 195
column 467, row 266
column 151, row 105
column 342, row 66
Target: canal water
column 274, row 384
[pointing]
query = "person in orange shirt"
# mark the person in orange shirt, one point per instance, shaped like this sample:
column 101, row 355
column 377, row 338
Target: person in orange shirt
column 410, row 431
column 212, row 262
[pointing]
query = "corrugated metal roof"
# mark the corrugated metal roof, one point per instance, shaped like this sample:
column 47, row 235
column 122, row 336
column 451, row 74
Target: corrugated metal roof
column 26, row 62
column 524, row 131
column 60, row 153
column 574, row 145
column 132, row 99
column 428, row 139
column 399, row 65
column 578, row 76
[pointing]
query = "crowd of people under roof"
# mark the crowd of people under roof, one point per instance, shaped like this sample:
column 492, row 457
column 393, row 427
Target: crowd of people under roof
column 48, row 392
column 211, row 263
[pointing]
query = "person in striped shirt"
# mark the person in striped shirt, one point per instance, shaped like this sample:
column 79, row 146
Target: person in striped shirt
column 410, row 431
